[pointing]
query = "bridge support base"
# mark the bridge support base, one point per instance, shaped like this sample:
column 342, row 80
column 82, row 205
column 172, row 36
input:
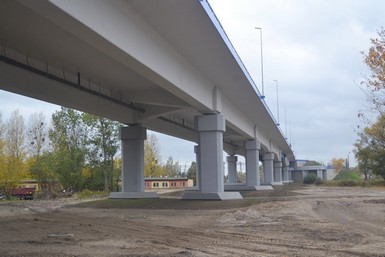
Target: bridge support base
column 132, row 195
column 244, row 187
column 191, row 195
column 132, row 139
column 267, row 185
column 277, row 174
column 268, row 168
column 211, row 180
column 252, row 163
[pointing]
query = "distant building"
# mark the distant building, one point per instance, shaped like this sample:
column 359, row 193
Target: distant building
column 46, row 186
column 28, row 183
column 165, row 182
column 301, row 168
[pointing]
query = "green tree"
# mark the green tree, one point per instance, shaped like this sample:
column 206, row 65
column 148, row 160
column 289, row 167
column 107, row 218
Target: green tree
column 171, row 169
column 2, row 155
column 2, row 127
column 370, row 148
column 103, row 145
column 192, row 172
column 241, row 177
column 364, row 156
column 68, row 136
column 117, row 173
column 152, row 159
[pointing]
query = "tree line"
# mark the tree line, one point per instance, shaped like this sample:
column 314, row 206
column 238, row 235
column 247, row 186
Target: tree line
column 370, row 145
column 74, row 149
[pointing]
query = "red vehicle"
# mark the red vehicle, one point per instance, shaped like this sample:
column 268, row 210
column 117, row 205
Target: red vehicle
column 24, row 193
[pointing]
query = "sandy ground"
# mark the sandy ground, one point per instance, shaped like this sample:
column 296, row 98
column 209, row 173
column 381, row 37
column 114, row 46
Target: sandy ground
column 309, row 221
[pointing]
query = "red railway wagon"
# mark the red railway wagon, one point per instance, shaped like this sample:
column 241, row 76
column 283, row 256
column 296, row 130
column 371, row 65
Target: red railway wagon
column 23, row 193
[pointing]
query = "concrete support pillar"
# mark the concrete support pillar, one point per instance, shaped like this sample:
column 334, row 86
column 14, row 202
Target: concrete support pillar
column 278, row 173
column 285, row 171
column 293, row 166
column 324, row 175
column 197, row 163
column 132, row 147
column 210, row 128
column 252, row 163
column 319, row 174
column 232, row 168
column 268, row 168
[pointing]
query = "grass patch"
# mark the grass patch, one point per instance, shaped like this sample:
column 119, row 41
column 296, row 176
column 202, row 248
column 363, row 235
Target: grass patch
column 8, row 201
column 347, row 178
column 348, row 175
column 86, row 194
column 356, row 183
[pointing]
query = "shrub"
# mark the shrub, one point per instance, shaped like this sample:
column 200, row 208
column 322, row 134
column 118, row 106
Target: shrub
column 309, row 179
column 318, row 181
column 86, row 193
column 376, row 182
column 348, row 183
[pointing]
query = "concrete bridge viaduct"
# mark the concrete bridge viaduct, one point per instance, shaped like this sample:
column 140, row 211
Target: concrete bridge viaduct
column 162, row 65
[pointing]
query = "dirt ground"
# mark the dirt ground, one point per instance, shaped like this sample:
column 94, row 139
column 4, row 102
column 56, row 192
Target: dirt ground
column 291, row 221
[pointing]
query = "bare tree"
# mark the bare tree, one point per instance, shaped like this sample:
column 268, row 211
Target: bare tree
column 2, row 128
column 37, row 134
column 15, row 136
column 13, row 153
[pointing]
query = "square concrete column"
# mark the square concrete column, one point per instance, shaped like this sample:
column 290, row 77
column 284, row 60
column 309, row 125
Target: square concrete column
column 211, row 187
column 324, row 175
column 232, row 168
column 285, row 171
column 291, row 170
column 277, row 173
column 252, row 163
column 132, row 141
column 268, row 167
column 319, row 174
column 197, row 161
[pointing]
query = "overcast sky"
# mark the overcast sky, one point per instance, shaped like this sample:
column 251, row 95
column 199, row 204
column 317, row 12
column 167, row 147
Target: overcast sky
column 312, row 48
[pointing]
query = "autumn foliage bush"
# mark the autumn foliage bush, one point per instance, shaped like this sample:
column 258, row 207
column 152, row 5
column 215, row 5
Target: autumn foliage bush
column 310, row 179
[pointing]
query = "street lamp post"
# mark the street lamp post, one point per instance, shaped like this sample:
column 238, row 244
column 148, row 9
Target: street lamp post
column 276, row 84
column 347, row 161
column 263, row 89
column 286, row 137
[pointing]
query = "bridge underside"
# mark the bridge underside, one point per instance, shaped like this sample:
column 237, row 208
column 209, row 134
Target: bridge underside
column 162, row 66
